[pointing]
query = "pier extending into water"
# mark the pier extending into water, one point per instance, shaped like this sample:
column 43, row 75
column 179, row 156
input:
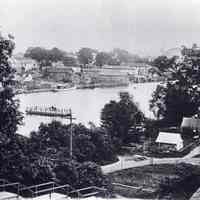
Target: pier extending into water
column 48, row 111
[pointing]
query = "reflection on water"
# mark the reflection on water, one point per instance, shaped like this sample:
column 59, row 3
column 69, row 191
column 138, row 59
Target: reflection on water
column 86, row 104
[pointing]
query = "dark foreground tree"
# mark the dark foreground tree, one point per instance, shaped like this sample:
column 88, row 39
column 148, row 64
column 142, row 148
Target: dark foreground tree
column 10, row 117
column 53, row 139
column 183, row 185
column 119, row 117
column 181, row 97
column 163, row 63
column 11, row 153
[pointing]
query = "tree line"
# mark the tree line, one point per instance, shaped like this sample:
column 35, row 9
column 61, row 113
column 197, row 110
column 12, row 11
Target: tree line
column 85, row 56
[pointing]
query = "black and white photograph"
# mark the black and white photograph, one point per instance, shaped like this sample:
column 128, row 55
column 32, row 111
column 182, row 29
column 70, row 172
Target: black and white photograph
column 99, row 99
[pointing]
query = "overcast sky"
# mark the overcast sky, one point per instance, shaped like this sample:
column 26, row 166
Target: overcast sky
column 140, row 26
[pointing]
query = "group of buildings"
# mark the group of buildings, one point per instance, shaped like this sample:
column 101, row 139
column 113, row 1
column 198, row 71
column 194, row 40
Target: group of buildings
column 29, row 72
column 95, row 75
column 22, row 64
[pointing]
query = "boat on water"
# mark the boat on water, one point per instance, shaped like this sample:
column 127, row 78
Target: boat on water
column 67, row 89
column 54, row 90
column 86, row 86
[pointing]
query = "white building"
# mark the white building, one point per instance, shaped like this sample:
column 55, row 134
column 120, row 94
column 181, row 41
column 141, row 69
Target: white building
column 191, row 122
column 22, row 64
column 170, row 140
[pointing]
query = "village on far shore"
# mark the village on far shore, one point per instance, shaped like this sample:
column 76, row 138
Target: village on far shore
column 31, row 77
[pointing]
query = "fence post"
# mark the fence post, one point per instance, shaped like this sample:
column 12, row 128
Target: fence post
column 50, row 195
column 17, row 191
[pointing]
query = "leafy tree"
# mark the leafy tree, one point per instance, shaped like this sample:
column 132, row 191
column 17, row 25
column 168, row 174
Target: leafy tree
column 179, row 98
column 12, row 155
column 122, row 55
column 90, row 174
column 164, row 64
column 175, row 103
column 45, row 156
column 39, row 54
column 55, row 54
column 186, row 182
column 10, row 116
column 50, row 139
column 125, row 57
column 102, row 58
column 39, row 171
column 85, row 55
column 157, row 103
column 44, row 56
column 67, row 173
column 80, row 175
column 84, row 148
column 53, row 140
column 119, row 117
column 104, row 148
column 92, row 145
column 151, row 129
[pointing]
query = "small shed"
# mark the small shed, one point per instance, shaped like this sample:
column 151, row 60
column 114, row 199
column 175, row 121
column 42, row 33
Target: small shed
column 191, row 122
column 170, row 140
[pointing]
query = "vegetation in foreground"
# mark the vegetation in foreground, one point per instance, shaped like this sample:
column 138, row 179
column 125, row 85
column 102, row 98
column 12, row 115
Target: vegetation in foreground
column 118, row 117
column 180, row 96
column 167, row 181
column 45, row 155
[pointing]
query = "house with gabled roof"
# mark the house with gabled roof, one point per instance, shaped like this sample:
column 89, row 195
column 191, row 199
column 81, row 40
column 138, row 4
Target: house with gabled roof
column 169, row 141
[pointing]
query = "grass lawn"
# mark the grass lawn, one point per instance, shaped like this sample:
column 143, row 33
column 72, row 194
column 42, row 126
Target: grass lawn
column 149, row 177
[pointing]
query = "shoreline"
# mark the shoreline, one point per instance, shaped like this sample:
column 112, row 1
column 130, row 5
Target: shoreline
column 82, row 102
column 46, row 90
column 83, row 87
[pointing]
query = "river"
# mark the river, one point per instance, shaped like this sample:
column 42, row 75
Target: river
column 86, row 104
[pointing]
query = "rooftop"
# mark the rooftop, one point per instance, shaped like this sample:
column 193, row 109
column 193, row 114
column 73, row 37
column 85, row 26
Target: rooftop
column 190, row 122
column 170, row 138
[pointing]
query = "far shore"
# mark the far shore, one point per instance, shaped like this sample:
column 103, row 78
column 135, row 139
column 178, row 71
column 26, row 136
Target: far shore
column 73, row 88
column 45, row 90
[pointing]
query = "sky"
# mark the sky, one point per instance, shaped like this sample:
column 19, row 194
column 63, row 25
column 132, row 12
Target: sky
column 145, row 27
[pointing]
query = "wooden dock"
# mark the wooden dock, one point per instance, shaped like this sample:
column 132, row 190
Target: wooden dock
column 49, row 111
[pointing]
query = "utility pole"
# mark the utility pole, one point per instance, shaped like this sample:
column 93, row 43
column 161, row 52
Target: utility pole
column 71, row 136
column 71, row 133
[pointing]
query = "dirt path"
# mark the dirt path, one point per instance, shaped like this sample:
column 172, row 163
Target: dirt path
column 126, row 162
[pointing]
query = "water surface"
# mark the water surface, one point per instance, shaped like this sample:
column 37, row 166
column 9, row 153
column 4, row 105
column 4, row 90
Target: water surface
column 86, row 104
